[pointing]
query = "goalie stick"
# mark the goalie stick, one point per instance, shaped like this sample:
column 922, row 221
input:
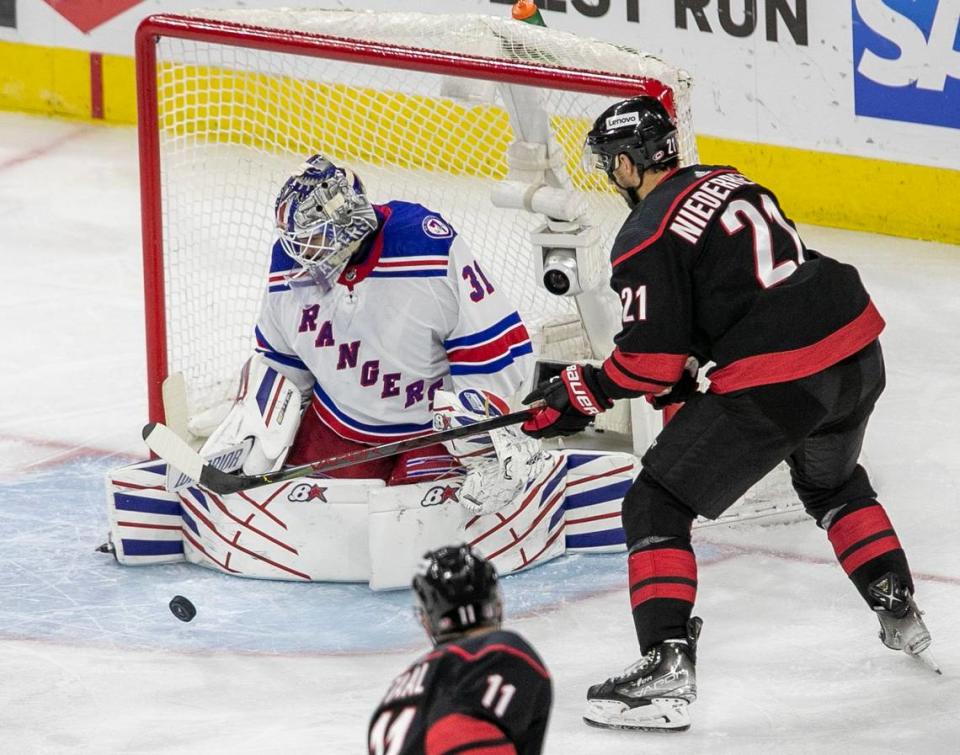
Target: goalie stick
column 166, row 444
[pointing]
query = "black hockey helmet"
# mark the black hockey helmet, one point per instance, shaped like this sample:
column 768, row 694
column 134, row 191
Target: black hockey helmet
column 456, row 591
column 641, row 127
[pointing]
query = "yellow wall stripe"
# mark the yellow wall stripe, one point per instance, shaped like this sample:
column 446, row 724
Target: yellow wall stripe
column 47, row 80
column 840, row 191
column 119, row 89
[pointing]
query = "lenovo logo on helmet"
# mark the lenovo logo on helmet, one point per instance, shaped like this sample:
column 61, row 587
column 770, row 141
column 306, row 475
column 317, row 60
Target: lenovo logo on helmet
column 624, row 119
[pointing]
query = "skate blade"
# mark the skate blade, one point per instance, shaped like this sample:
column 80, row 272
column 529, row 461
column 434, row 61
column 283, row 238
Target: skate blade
column 924, row 658
column 661, row 714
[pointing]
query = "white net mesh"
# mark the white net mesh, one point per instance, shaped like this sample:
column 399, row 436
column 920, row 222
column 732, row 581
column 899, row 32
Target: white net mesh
column 234, row 122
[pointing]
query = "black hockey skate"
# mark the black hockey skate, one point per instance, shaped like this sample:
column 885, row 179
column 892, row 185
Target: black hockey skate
column 901, row 625
column 653, row 694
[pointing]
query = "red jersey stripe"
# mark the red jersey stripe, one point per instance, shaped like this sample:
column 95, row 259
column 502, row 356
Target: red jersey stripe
column 665, row 367
column 460, row 732
column 628, row 383
column 416, row 262
column 781, row 366
column 645, row 373
column 492, row 349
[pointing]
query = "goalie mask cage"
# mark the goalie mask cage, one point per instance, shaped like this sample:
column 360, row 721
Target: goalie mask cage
column 433, row 109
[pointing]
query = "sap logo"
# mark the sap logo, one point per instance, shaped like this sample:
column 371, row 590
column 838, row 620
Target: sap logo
column 907, row 67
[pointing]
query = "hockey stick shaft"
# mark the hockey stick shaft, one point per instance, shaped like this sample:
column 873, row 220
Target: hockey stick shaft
column 175, row 451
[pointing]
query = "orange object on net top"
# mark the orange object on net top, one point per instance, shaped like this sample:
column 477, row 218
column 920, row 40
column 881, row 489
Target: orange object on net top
column 523, row 9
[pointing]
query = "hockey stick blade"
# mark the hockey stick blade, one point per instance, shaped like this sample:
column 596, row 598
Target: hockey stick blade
column 172, row 449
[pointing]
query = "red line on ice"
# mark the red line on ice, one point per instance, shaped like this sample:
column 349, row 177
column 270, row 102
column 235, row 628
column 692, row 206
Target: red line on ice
column 33, row 154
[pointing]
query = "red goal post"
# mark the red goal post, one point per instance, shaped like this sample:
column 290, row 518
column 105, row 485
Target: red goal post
column 435, row 109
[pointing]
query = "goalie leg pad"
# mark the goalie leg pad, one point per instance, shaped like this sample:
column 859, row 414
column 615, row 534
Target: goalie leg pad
column 144, row 518
column 408, row 520
column 597, row 483
column 305, row 529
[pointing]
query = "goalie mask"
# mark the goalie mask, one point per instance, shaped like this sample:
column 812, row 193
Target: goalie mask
column 639, row 127
column 323, row 215
column 456, row 591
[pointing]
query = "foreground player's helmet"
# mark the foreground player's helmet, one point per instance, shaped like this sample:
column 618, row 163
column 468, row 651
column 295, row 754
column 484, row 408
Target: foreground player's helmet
column 456, row 591
column 323, row 215
column 639, row 127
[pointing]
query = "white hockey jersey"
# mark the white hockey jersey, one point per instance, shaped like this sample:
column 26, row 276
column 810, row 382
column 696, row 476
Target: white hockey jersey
column 416, row 315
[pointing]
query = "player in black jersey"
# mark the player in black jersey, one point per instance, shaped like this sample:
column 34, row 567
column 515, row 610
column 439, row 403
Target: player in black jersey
column 482, row 689
column 709, row 269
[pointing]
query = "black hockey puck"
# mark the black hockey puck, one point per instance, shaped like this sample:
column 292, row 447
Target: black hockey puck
column 182, row 608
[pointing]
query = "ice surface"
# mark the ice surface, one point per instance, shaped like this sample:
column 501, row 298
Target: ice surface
column 93, row 661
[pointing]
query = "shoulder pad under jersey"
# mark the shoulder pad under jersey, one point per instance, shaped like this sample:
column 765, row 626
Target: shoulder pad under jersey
column 412, row 230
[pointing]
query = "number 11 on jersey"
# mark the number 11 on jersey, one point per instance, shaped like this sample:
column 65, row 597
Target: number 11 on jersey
column 498, row 695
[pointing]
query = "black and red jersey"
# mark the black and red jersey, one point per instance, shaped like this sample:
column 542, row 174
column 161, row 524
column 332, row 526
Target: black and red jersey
column 709, row 266
column 489, row 693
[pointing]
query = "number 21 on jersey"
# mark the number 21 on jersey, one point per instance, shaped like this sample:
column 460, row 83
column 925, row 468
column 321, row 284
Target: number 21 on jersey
column 634, row 300
column 740, row 213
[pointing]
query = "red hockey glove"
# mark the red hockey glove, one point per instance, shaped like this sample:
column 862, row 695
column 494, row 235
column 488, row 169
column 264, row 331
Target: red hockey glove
column 572, row 401
column 682, row 390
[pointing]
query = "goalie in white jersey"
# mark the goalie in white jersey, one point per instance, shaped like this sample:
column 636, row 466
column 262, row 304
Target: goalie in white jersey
column 369, row 311
column 377, row 325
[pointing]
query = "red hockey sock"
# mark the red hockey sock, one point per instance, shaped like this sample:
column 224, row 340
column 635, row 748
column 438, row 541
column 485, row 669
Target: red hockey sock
column 867, row 546
column 663, row 588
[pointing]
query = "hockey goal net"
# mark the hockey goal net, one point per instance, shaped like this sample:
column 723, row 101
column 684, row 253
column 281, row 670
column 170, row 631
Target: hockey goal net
column 436, row 109
column 443, row 110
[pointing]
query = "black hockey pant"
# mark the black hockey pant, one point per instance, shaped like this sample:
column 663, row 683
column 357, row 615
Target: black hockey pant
column 718, row 446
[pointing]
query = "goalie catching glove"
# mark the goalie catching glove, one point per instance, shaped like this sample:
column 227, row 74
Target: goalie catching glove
column 572, row 400
column 499, row 464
